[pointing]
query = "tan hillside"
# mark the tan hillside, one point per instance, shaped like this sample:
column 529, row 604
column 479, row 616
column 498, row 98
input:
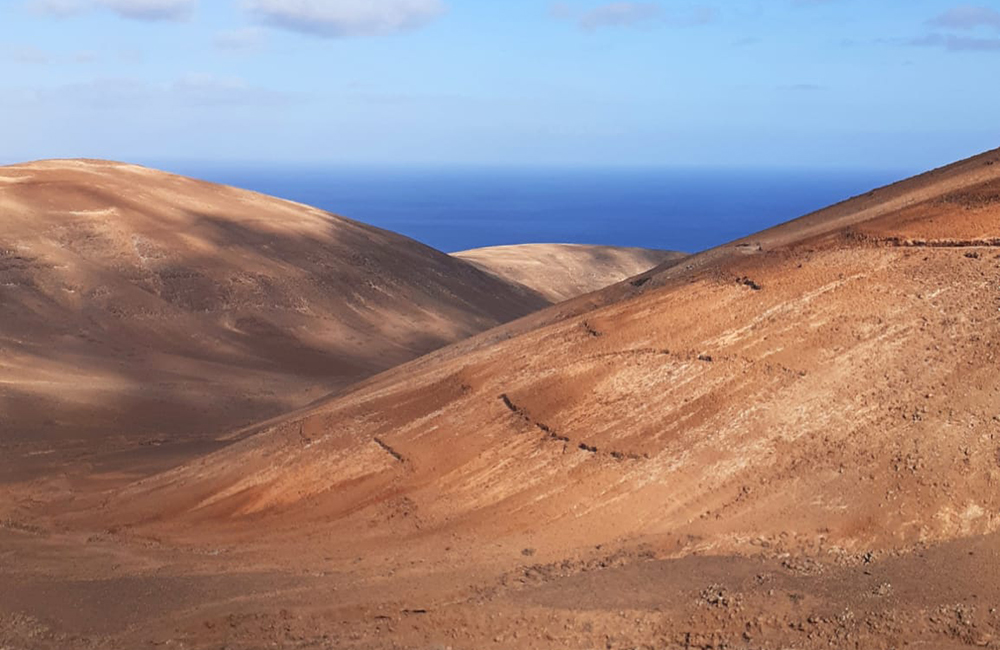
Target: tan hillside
column 563, row 271
column 139, row 306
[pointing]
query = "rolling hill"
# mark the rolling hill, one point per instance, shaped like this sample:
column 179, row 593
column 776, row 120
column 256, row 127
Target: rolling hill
column 142, row 308
column 792, row 440
column 563, row 271
column 875, row 327
column 804, row 406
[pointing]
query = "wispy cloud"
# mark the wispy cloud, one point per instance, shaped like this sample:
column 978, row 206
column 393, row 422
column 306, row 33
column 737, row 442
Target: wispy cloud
column 967, row 17
column 346, row 18
column 151, row 9
column 85, row 57
column 802, row 88
column 246, row 39
column 954, row 43
column 633, row 14
column 59, row 8
column 201, row 89
column 133, row 9
column 25, row 54
column 961, row 29
column 31, row 55
column 104, row 94
column 196, row 90
column 621, row 14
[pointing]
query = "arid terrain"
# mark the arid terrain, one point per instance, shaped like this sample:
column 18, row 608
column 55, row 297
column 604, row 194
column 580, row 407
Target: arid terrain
column 789, row 441
column 563, row 271
column 138, row 308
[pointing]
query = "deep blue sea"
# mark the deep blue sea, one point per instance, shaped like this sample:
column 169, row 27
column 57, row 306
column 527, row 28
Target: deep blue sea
column 458, row 209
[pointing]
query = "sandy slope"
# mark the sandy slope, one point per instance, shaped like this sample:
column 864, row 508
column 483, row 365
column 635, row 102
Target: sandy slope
column 790, row 441
column 811, row 367
column 138, row 306
column 563, row 271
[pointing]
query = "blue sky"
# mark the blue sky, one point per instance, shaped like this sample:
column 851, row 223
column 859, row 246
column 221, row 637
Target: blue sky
column 765, row 83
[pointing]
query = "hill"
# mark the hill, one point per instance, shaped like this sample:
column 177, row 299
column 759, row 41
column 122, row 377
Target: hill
column 142, row 308
column 563, row 271
column 788, row 441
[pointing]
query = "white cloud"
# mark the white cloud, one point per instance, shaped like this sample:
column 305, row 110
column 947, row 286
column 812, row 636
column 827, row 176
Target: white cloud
column 134, row 9
column 346, row 18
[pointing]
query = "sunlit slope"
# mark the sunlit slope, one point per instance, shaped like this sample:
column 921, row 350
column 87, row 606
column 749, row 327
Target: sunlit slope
column 829, row 382
column 563, row 271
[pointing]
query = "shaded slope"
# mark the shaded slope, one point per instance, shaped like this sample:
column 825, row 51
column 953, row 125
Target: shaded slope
column 833, row 387
column 140, row 306
column 563, row 271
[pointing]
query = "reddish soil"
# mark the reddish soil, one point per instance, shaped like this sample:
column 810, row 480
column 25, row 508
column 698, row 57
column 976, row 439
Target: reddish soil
column 792, row 441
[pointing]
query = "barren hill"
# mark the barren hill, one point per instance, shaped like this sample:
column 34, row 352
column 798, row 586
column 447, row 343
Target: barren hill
column 789, row 441
column 796, row 363
column 563, row 271
column 139, row 306
column 820, row 398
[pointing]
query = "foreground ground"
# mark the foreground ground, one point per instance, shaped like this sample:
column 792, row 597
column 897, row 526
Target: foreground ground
column 105, row 593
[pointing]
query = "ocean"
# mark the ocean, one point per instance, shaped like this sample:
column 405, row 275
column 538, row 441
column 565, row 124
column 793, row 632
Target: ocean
column 456, row 209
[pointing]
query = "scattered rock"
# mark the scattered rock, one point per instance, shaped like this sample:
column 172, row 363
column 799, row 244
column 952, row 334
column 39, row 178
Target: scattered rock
column 883, row 589
column 719, row 596
column 803, row 566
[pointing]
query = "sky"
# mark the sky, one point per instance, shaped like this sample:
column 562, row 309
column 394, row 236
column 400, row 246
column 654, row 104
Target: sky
column 740, row 83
